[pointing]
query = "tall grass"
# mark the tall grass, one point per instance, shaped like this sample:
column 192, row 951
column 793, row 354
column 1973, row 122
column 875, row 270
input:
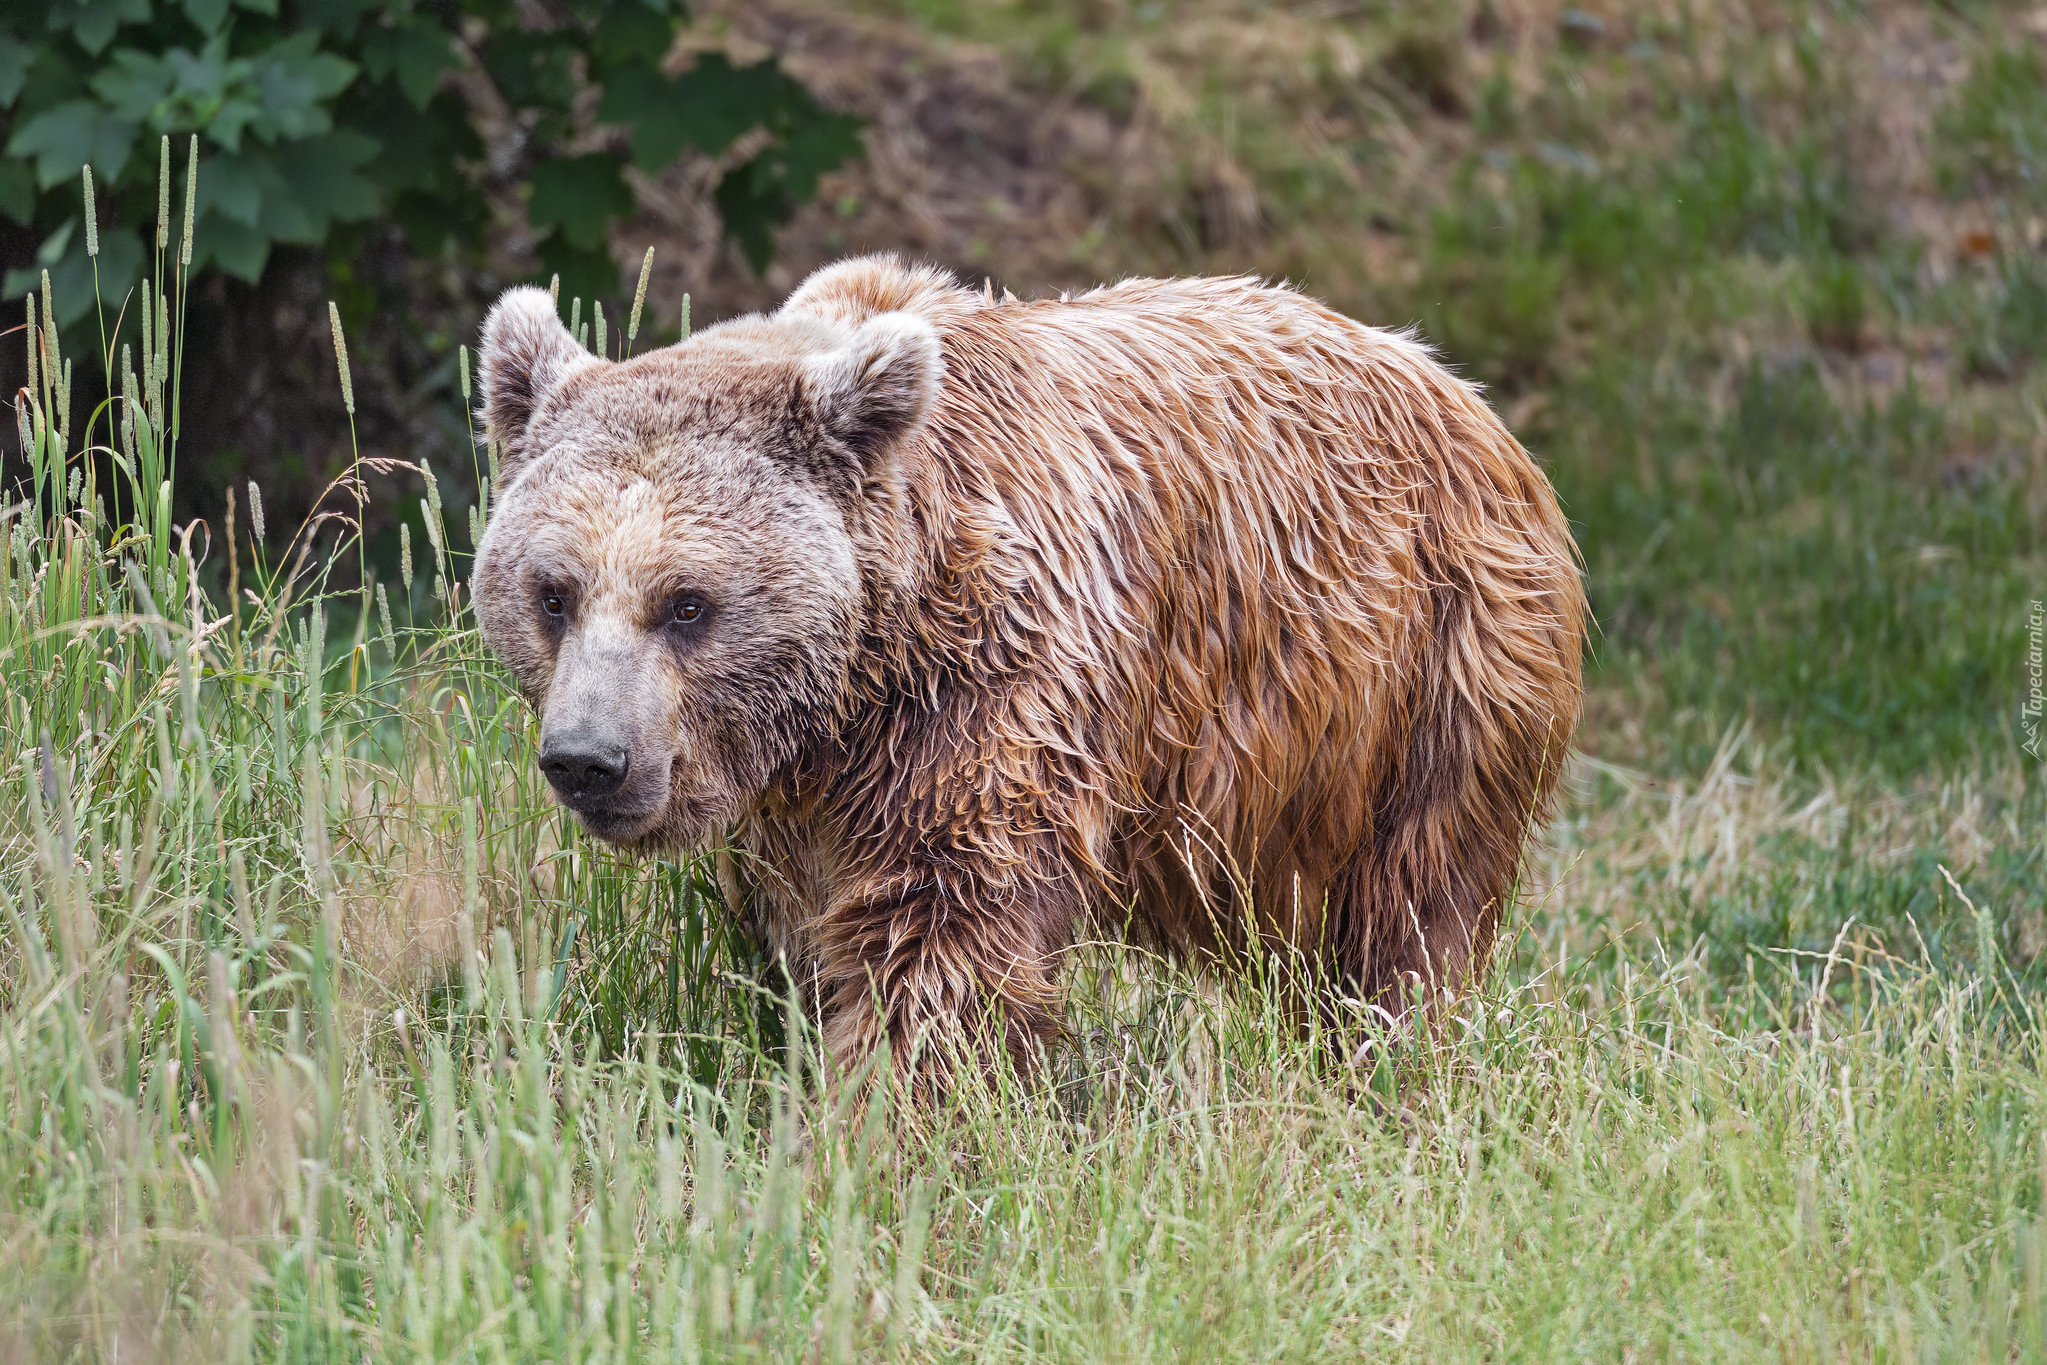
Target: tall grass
column 258, row 824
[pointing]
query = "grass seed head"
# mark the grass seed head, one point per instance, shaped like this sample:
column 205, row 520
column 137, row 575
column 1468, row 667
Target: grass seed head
column 163, row 198
column 632, row 326
column 128, row 407
column 53, row 355
column 341, row 357
column 92, row 222
column 191, row 200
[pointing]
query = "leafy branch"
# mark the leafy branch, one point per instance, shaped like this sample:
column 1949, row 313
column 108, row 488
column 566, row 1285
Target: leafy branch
column 319, row 113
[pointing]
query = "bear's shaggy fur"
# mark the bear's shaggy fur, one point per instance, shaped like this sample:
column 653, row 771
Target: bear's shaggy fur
column 1190, row 606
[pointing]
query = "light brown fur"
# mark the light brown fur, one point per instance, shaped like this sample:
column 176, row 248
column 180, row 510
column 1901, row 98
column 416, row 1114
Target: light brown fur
column 1189, row 605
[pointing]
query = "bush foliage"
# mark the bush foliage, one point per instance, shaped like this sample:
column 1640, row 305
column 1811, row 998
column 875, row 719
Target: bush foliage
column 316, row 113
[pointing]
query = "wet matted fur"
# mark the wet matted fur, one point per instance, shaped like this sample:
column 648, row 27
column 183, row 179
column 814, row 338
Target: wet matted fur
column 1190, row 606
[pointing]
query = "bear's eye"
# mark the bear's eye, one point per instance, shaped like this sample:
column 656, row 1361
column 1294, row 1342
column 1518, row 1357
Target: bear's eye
column 686, row 611
column 551, row 602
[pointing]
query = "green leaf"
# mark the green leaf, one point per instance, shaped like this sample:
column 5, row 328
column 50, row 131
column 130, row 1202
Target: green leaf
column 69, row 136
column 57, row 243
column 50, row 256
column 182, row 89
column 711, row 106
column 92, row 22
column 16, row 57
column 297, row 83
column 62, row 253
column 324, row 177
column 58, row 73
column 628, row 36
column 419, row 163
column 206, row 15
column 17, row 191
column 751, row 205
column 285, row 219
column 580, row 195
column 413, row 50
column 17, row 282
column 239, row 250
column 280, row 94
column 761, row 195
column 531, row 68
column 714, row 103
column 659, row 123
column 817, row 147
column 586, row 272
column 135, row 84
column 120, row 266
column 339, row 18
column 421, row 150
column 706, row 108
column 236, row 183
column 211, row 92
column 431, row 222
column 293, row 193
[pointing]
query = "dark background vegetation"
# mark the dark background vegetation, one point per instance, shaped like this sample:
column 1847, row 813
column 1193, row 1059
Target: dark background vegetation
column 403, row 159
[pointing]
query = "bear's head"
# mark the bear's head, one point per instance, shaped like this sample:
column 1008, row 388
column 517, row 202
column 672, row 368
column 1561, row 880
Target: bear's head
column 674, row 563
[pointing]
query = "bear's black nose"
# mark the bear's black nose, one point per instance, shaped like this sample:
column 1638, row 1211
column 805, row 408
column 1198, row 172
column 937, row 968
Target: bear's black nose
column 584, row 771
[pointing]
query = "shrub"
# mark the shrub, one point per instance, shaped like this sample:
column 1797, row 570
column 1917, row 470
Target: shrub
column 317, row 113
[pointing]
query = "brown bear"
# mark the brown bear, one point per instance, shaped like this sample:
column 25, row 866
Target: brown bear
column 1187, row 607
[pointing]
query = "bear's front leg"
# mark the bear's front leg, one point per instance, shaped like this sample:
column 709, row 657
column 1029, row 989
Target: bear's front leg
column 947, row 953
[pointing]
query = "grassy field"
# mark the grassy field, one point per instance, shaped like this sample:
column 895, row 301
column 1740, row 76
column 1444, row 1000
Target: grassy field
column 323, row 1036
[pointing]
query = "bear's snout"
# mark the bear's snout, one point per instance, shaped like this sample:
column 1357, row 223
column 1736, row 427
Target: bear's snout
column 593, row 771
column 584, row 768
column 607, row 759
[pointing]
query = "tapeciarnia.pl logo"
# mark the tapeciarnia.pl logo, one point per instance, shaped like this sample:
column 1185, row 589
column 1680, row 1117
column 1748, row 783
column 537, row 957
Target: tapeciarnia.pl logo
column 2036, row 678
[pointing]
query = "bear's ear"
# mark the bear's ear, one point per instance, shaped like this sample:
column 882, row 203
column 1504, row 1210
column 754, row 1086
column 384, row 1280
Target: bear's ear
column 874, row 390
column 526, row 352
